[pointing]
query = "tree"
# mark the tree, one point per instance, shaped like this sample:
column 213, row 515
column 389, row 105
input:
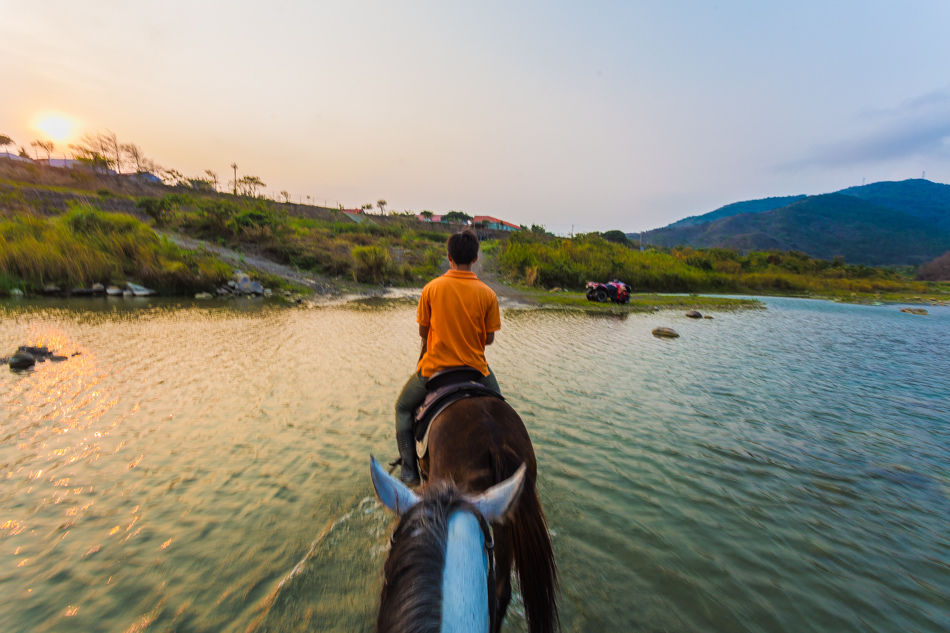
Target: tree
column 367, row 207
column 213, row 177
column 285, row 195
column 235, row 181
column 202, row 185
column 617, row 237
column 456, row 216
column 23, row 152
column 135, row 156
column 249, row 185
column 46, row 146
column 381, row 204
column 427, row 215
column 173, row 178
column 99, row 150
column 5, row 140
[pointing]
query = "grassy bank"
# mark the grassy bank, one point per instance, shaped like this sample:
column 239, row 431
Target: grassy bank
column 539, row 261
column 646, row 302
column 375, row 250
column 87, row 245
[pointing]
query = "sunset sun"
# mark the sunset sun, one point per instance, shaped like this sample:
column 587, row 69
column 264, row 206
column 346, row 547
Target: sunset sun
column 56, row 127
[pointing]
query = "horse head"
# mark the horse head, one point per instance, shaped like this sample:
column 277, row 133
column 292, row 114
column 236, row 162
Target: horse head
column 439, row 575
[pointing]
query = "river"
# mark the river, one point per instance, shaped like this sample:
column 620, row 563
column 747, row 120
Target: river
column 203, row 466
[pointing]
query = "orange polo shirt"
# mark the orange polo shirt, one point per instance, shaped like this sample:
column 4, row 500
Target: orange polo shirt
column 459, row 311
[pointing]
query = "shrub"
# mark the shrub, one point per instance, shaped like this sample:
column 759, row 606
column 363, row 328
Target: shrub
column 373, row 264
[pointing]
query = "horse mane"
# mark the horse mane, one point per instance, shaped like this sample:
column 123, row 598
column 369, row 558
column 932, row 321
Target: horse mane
column 416, row 561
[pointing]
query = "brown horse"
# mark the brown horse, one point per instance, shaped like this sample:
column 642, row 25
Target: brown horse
column 476, row 445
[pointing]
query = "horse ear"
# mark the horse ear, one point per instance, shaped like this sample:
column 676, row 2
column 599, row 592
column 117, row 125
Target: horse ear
column 497, row 501
column 393, row 493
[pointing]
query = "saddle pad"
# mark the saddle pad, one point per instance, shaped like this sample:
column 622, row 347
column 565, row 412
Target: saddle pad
column 437, row 402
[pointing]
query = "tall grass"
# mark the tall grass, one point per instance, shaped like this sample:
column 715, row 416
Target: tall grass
column 87, row 245
column 570, row 263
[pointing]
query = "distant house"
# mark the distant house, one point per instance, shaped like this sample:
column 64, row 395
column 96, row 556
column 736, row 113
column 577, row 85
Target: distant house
column 19, row 159
column 435, row 218
column 352, row 211
column 144, row 176
column 494, row 223
column 62, row 163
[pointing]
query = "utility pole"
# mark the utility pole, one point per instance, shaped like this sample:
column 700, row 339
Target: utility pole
column 234, row 167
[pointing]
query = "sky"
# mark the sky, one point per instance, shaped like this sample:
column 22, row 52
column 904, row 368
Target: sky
column 579, row 116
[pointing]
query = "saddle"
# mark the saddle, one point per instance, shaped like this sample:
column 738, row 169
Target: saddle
column 446, row 387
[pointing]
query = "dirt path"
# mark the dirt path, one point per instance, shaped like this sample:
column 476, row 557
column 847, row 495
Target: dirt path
column 317, row 283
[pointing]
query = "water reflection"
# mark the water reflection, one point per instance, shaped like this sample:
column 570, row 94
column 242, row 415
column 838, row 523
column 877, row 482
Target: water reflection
column 202, row 466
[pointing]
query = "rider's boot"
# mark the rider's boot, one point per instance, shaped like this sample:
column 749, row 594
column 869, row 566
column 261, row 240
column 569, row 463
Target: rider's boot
column 407, row 451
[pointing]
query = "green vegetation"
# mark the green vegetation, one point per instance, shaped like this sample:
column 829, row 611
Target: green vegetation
column 87, row 245
column 637, row 303
column 379, row 250
column 570, row 263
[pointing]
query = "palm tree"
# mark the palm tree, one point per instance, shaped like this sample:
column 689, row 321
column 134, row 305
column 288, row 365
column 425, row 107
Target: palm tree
column 6, row 140
column 382, row 205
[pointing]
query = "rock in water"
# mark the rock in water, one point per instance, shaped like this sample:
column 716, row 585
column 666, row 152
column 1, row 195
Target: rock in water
column 693, row 314
column 706, row 316
column 140, row 291
column 919, row 311
column 114, row 291
column 203, row 295
column 665, row 332
column 21, row 360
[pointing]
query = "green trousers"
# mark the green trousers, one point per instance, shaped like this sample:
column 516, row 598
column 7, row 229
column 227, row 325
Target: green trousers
column 414, row 393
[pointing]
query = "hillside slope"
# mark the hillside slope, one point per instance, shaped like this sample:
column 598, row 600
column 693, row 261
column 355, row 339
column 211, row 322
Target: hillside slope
column 822, row 226
column 748, row 206
column 923, row 199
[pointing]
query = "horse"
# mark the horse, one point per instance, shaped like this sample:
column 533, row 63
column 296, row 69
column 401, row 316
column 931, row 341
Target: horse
column 481, row 470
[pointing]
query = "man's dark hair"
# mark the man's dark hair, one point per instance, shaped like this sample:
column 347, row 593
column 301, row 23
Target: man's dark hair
column 463, row 247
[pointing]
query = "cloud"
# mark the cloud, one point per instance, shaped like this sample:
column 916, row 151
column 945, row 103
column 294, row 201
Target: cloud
column 917, row 127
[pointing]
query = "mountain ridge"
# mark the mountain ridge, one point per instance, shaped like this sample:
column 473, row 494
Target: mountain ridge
column 885, row 223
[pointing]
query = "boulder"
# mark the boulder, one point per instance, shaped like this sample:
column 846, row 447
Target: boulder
column 919, row 311
column 693, row 314
column 98, row 289
column 114, row 291
column 248, row 287
column 21, row 360
column 203, row 295
column 16, row 292
column 140, row 291
column 50, row 289
column 706, row 316
column 665, row 332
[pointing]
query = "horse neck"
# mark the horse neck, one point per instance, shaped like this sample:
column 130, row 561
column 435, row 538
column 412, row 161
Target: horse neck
column 465, row 576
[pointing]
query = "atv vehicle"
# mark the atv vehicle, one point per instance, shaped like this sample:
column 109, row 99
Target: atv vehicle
column 615, row 290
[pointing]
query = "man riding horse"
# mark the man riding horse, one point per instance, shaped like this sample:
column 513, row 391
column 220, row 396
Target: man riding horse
column 458, row 317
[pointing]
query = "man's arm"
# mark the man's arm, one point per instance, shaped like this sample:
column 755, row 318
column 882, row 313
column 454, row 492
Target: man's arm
column 489, row 338
column 424, row 333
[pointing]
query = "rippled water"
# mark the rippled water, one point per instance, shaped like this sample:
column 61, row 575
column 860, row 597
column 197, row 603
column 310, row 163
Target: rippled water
column 203, row 467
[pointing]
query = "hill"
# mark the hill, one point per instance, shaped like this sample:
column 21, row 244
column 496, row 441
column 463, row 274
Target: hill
column 749, row 206
column 885, row 223
column 822, row 226
column 929, row 201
